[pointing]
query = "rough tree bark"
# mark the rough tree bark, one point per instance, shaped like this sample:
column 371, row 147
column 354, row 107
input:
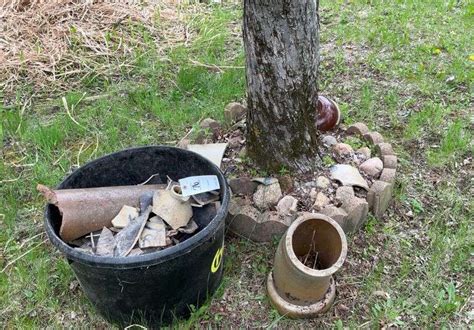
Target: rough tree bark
column 282, row 56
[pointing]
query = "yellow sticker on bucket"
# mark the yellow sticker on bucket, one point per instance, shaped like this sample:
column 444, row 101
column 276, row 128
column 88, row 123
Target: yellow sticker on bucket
column 217, row 260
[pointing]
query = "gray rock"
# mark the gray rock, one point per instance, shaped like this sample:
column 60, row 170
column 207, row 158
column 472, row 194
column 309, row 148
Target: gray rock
column 243, row 186
column 234, row 111
column 329, row 140
column 372, row 166
column 348, row 176
column 344, row 193
column 390, row 161
column 373, row 137
column 365, row 152
column 287, row 205
column 383, row 149
column 321, row 201
column 267, row 196
column 313, row 193
column 322, row 182
column 210, row 124
column 357, row 129
column 342, row 149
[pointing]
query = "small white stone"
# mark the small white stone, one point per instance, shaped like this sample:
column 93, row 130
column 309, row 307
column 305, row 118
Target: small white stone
column 329, row 140
column 321, row 201
column 287, row 205
column 267, row 195
column 322, row 182
column 342, row 149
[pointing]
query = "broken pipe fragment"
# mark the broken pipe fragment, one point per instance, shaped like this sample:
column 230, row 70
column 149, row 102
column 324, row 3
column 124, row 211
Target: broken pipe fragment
column 86, row 210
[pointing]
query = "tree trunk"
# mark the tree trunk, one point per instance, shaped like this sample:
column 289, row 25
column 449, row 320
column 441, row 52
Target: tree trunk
column 282, row 57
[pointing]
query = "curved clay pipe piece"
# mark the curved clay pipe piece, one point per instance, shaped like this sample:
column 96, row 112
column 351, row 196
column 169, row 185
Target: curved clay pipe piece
column 329, row 114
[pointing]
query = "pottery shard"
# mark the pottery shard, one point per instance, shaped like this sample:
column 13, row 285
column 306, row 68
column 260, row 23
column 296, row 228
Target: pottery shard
column 287, row 205
column 389, row 161
column 356, row 209
column 174, row 211
column 364, row 151
column 267, row 195
column 342, row 149
column 210, row 124
column 126, row 214
column 329, row 140
column 378, row 197
column 383, row 149
column 243, row 186
column 348, row 176
column 234, row 111
column 372, row 166
column 357, row 129
column 321, row 201
column 373, row 137
column 337, row 214
column 106, row 243
column 322, row 182
column 388, row 175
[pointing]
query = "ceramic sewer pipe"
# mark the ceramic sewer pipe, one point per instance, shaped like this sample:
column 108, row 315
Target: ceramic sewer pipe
column 296, row 290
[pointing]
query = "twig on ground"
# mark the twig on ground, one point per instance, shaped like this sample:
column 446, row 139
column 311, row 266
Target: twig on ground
column 21, row 256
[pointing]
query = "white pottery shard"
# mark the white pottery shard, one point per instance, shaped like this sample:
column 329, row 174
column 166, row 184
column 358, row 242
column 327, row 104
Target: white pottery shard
column 171, row 208
column 213, row 151
column 126, row 214
column 348, row 176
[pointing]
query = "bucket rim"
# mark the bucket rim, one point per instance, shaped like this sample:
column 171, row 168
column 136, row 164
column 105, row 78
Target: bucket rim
column 149, row 259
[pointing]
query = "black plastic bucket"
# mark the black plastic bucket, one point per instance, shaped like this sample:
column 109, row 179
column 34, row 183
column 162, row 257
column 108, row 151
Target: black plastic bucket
column 158, row 287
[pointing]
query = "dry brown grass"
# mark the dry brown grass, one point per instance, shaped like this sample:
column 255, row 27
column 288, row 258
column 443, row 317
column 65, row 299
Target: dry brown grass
column 46, row 44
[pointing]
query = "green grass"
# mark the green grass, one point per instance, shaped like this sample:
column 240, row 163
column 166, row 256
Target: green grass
column 403, row 67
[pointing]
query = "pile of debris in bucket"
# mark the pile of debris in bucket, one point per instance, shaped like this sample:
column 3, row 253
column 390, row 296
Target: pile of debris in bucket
column 132, row 220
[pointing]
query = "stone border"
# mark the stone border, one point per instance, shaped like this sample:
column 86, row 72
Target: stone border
column 248, row 221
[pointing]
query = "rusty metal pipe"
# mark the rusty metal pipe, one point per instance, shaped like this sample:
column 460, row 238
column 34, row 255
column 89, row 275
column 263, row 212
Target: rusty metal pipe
column 296, row 290
column 89, row 209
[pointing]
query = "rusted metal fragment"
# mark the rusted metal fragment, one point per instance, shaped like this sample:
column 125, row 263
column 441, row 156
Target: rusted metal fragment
column 128, row 237
column 89, row 209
